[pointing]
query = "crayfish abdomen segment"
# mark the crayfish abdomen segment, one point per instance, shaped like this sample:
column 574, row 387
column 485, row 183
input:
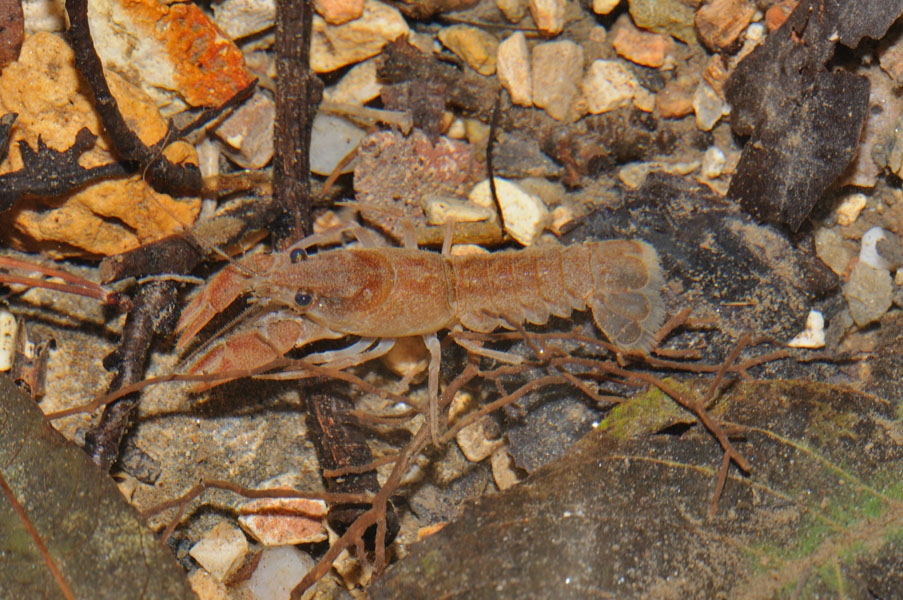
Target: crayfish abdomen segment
column 620, row 280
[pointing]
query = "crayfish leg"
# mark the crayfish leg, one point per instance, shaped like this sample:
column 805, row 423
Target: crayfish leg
column 432, row 344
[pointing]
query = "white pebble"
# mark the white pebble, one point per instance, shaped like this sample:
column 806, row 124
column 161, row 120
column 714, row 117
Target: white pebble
column 525, row 215
column 814, row 334
column 868, row 253
column 708, row 106
column 8, row 330
column 608, row 85
column 603, row 7
column 848, row 210
column 440, row 210
column 331, row 139
column 713, row 162
column 221, row 550
column 279, row 570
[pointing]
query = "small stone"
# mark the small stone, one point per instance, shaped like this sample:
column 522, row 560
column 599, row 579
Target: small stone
column 869, row 293
column 44, row 15
column 881, row 249
column 716, row 73
column 644, row 100
column 474, row 46
column 221, row 550
column 513, row 64
column 504, row 471
column 608, row 85
column 713, row 163
column 476, row 131
column 441, row 210
column 709, row 107
column 173, row 52
column 548, row 15
column 358, row 86
column 525, row 216
column 641, row 47
column 848, row 210
column 337, row 12
column 467, row 250
column 456, row 130
column 8, row 333
column 334, row 46
column 665, row 16
column 241, row 18
column 206, row 587
column 674, row 101
column 408, row 357
column 284, row 521
column 814, row 334
column 603, row 7
column 278, row 571
column 634, row 174
column 720, row 22
column 832, row 250
column 557, row 69
column 778, row 13
column 514, row 10
column 331, row 139
column 474, row 441
column 249, row 132
column 563, row 220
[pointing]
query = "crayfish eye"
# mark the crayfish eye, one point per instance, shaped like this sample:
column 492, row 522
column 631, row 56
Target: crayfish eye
column 303, row 299
column 297, row 255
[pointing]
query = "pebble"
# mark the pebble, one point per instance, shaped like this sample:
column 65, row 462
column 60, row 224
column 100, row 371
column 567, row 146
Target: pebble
column 337, row 12
column 278, row 571
column 641, row 47
column 713, row 163
column 174, row 52
column 880, row 249
column 869, row 293
column 634, row 174
column 832, row 250
column 335, row 46
column 474, row 46
column 514, row 10
column 848, row 210
column 557, row 70
column 249, row 131
column 207, row 588
column 720, row 22
column 608, row 85
column 674, row 101
column 467, row 250
column 8, row 331
column 221, row 550
column 284, row 521
column 331, row 139
column 603, row 7
column 672, row 17
column 814, row 334
column 563, row 220
column 708, row 106
column 504, row 472
column 241, row 18
column 778, row 13
column 408, row 357
column 441, row 210
column 548, row 15
column 474, row 441
column 524, row 215
column 358, row 86
column 890, row 57
column 513, row 65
